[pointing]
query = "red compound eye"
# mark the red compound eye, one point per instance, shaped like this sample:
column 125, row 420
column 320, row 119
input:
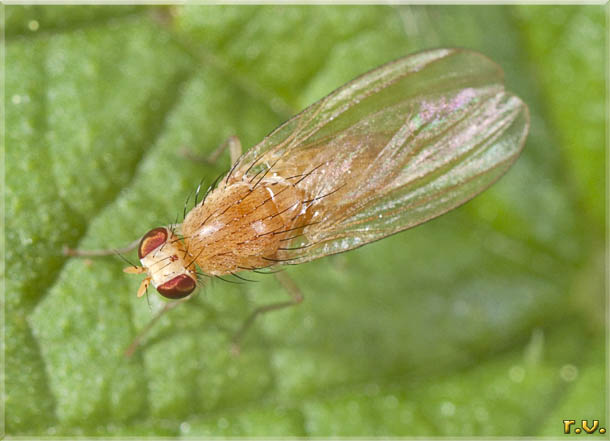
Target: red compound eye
column 152, row 240
column 177, row 288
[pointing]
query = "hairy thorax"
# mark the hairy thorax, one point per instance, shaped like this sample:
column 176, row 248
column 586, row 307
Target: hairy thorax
column 244, row 225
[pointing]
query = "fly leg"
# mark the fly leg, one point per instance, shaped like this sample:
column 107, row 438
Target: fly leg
column 296, row 297
column 141, row 291
column 138, row 340
column 233, row 144
column 74, row 252
column 67, row 251
column 235, row 148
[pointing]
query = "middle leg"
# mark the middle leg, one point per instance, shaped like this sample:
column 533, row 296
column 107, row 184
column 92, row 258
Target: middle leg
column 232, row 143
column 296, row 297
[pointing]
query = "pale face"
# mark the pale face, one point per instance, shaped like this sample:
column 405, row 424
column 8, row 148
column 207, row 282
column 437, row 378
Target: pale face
column 169, row 266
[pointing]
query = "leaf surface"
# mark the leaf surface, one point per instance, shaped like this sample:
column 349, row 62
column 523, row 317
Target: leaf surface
column 473, row 324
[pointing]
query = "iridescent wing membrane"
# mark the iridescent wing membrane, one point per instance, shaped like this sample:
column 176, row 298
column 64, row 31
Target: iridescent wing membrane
column 395, row 147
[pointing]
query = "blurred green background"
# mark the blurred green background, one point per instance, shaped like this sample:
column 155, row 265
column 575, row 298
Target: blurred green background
column 487, row 321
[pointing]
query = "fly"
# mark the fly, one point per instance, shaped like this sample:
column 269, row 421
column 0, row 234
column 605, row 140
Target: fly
column 395, row 147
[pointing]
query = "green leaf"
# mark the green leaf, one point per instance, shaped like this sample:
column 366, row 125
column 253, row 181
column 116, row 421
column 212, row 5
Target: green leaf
column 484, row 322
column 568, row 40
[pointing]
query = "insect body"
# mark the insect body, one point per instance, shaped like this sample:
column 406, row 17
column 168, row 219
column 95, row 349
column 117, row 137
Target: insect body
column 394, row 148
column 243, row 226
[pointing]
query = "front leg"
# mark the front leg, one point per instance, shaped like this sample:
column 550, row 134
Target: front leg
column 73, row 252
column 137, row 341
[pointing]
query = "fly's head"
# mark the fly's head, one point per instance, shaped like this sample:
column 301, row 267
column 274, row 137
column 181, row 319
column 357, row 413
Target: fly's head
column 166, row 262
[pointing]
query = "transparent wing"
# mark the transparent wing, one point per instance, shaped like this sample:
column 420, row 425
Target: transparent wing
column 398, row 146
